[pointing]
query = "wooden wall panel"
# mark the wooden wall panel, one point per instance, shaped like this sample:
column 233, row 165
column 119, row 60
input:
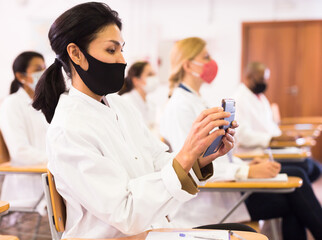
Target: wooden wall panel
column 293, row 52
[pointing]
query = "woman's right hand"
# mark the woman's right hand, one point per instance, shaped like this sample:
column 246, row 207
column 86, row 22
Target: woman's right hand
column 263, row 169
column 199, row 139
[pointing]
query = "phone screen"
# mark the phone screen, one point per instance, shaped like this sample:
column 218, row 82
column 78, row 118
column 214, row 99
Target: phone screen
column 228, row 106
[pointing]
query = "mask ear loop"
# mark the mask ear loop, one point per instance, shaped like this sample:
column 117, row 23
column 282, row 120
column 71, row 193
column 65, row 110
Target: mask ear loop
column 198, row 64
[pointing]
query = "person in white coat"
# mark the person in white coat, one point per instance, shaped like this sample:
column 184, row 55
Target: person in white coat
column 116, row 178
column 24, row 132
column 191, row 67
column 257, row 126
column 139, row 82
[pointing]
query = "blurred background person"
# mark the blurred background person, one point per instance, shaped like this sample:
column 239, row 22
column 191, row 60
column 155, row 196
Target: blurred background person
column 192, row 66
column 139, row 82
column 257, row 127
column 24, row 132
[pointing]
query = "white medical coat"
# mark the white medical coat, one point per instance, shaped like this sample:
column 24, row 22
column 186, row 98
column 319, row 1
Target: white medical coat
column 24, row 131
column 208, row 207
column 255, row 119
column 146, row 108
column 116, row 177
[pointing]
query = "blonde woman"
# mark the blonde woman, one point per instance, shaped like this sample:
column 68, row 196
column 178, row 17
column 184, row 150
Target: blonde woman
column 192, row 66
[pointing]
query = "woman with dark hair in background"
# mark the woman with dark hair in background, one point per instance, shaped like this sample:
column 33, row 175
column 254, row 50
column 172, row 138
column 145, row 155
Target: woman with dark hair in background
column 24, row 131
column 139, row 82
column 116, row 178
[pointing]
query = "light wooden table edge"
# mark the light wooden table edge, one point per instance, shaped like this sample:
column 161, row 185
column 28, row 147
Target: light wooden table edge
column 8, row 237
column 302, row 120
column 279, row 144
column 4, row 206
column 7, row 168
column 276, row 156
column 293, row 182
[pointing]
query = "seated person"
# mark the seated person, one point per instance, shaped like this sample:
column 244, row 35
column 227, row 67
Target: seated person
column 139, row 82
column 257, row 127
column 192, row 66
column 24, row 131
column 116, row 177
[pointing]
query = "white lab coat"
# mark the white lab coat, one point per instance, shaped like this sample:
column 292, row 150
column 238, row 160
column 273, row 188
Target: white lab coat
column 146, row 108
column 208, row 207
column 255, row 119
column 24, row 131
column 115, row 176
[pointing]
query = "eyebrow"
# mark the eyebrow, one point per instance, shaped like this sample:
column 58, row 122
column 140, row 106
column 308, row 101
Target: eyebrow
column 117, row 43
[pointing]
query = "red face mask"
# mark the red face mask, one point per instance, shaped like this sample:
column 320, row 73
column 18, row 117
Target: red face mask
column 209, row 71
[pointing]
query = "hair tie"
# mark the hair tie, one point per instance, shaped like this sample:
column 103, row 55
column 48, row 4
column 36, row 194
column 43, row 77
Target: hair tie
column 58, row 62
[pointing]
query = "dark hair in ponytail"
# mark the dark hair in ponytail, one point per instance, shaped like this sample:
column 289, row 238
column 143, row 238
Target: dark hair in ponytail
column 20, row 64
column 135, row 71
column 78, row 25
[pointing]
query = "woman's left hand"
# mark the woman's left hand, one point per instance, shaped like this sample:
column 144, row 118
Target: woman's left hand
column 228, row 143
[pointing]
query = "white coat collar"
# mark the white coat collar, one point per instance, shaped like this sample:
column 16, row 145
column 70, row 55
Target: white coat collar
column 190, row 89
column 73, row 92
column 190, row 95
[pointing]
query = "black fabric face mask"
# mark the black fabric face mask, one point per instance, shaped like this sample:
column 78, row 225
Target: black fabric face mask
column 101, row 78
column 259, row 88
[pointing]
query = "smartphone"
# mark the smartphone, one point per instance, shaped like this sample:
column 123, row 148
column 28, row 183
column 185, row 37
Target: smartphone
column 228, row 106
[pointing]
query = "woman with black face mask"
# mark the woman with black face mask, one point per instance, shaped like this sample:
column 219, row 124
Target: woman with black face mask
column 116, row 178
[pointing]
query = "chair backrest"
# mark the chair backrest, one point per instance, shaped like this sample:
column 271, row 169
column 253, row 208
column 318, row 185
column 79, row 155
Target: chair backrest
column 55, row 206
column 4, row 153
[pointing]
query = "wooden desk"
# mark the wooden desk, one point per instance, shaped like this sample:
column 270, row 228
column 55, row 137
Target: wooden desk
column 251, row 187
column 295, row 156
column 4, row 206
column 289, row 130
column 301, row 120
column 293, row 182
column 142, row 236
column 307, row 142
column 7, row 237
column 6, row 168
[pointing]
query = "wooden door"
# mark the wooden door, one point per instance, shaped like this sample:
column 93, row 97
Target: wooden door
column 293, row 52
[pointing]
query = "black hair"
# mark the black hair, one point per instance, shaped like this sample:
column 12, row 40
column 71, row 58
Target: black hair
column 78, row 25
column 135, row 71
column 20, row 64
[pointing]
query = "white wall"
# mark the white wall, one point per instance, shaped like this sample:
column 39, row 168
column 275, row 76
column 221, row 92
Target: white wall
column 150, row 26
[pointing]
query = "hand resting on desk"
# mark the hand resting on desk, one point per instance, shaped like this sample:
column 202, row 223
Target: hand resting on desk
column 263, row 168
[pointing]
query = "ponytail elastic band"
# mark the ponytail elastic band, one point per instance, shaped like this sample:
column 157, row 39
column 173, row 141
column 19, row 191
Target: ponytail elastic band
column 57, row 62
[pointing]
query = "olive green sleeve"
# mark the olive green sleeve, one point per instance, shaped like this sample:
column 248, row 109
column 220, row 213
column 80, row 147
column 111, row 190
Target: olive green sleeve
column 203, row 173
column 187, row 182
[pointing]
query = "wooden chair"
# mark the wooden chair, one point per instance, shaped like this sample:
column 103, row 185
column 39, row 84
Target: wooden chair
column 55, row 206
column 4, row 153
